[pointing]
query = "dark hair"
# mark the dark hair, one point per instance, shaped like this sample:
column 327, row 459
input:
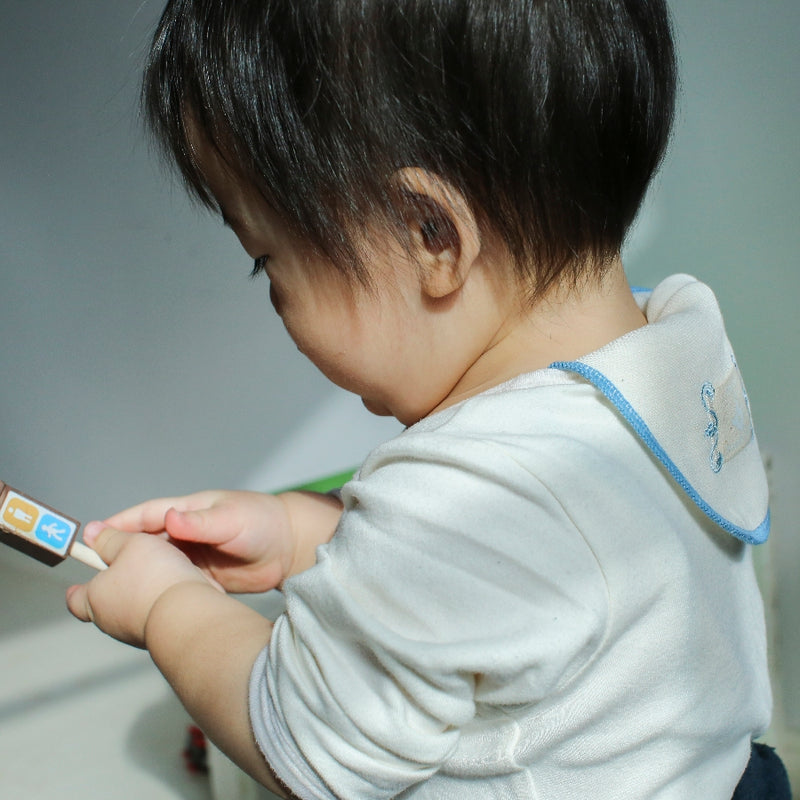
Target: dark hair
column 550, row 116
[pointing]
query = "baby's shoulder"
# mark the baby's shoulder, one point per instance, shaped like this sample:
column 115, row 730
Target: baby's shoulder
column 529, row 430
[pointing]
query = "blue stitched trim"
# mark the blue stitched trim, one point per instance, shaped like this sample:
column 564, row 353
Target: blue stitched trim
column 640, row 289
column 595, row 377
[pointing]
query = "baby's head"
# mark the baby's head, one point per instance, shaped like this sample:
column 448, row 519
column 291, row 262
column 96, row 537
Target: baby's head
column 548, row 117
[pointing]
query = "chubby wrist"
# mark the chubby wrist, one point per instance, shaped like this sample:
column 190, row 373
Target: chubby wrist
column 312, row 520
column 177, row 609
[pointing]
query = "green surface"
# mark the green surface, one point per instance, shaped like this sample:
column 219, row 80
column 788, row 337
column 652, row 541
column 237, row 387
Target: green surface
column 326, row 484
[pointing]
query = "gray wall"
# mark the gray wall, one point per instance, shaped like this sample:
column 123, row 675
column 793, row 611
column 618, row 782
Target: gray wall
column 138, row 357
column 139, row 360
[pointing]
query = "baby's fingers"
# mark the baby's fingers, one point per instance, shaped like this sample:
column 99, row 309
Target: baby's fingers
column 149, row 516
column 105, row 540
column 78, row 603
column 215, row 526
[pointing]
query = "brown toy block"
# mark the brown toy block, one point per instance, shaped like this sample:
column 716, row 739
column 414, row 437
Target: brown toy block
column 40, row 531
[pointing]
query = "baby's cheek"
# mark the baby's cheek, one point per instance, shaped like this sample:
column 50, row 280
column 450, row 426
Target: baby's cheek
column 275, row 298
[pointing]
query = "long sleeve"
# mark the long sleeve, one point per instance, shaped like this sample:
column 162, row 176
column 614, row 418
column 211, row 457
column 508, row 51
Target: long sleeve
column 426, row 604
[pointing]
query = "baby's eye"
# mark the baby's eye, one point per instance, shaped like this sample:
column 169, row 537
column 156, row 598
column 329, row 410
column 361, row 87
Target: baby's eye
column 258, row 266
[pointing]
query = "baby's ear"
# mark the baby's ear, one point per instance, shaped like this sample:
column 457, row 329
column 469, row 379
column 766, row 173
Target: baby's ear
column 442, row 230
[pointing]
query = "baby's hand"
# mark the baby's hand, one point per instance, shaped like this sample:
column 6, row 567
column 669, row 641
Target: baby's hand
column 246, row 541
column 141, row 569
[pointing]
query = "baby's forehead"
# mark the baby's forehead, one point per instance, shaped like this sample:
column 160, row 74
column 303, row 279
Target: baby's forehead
column 218, row 172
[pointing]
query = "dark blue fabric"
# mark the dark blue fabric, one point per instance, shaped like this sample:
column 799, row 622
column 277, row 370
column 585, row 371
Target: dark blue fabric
column 765, row 777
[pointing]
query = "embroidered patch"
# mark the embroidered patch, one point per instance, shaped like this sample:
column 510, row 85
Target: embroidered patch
column 730, row 427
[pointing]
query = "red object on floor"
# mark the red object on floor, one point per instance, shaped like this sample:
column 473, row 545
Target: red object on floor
column 195, row 753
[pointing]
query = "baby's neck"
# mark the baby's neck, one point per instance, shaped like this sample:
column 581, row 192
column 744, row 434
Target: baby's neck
column 562, row 326
column 569, row 323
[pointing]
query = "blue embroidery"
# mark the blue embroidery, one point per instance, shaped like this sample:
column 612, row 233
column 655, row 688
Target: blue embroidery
column 712, row 429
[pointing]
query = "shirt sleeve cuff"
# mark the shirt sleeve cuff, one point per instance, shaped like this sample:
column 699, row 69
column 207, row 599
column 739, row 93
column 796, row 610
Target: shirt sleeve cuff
column 277, row 743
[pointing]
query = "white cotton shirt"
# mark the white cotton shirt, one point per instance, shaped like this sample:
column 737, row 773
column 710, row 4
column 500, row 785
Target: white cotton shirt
column 542, row 592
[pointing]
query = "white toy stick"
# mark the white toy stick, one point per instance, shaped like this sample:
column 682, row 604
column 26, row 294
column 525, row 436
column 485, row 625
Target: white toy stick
column 86, row 555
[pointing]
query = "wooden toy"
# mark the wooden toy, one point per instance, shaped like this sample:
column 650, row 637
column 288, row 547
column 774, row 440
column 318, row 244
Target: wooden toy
column 40, row 531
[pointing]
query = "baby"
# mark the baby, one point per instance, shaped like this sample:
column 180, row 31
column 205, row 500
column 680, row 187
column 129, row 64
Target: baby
column 543, row 587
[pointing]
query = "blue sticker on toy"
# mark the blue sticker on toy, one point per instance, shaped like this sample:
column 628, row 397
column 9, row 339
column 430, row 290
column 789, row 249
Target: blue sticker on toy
column 54, row 531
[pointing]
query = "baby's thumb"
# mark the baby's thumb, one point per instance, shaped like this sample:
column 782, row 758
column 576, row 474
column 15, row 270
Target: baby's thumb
column 204, row 526
column 105, row 540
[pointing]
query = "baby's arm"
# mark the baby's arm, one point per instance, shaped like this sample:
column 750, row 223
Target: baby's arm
column 203, row 641
column 247, row 541
column 168, row 599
